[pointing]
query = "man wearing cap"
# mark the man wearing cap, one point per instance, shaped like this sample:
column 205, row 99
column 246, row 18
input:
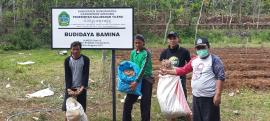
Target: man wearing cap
column 143, row 58
column 207, row 82
column 179, row 56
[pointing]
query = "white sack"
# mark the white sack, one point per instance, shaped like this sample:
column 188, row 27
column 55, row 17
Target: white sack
column 75, row 110
column 171, row 97
column 41, row 93
column 26, row 63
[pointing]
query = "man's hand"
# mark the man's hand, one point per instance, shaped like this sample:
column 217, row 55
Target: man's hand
column 79, row 91
column 167, row 71
column 71, row 93
column 133, row 86
column 162, row 71
column 217, row 99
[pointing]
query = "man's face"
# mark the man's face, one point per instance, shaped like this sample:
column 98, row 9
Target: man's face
column 75, row 51
column 173, row 41
column 201, row 47
column 202, row 51
column 138, row 44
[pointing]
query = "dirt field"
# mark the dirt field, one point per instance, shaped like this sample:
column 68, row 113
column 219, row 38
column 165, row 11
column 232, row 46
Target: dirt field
column 244, row 67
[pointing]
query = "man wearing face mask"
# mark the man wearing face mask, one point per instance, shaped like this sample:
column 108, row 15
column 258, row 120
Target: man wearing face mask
column 207, row 82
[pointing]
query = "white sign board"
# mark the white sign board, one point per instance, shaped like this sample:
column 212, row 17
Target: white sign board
column 95, row 28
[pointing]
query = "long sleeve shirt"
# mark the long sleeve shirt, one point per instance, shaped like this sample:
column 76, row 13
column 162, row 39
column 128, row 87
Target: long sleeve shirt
column 69, row 73
column 143, row 59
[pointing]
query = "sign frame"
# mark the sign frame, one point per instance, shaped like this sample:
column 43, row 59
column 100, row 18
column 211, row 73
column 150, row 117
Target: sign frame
column 94, row 8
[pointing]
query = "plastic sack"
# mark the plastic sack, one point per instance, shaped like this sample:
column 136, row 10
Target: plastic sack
column 128, row 73
column 75, row 110
column 171, row 97
column 41, row 93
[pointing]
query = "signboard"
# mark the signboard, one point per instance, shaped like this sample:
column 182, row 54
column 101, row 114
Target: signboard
column 95, row 28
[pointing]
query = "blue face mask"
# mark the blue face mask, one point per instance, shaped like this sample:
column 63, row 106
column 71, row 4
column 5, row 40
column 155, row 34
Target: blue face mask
column 202, row 53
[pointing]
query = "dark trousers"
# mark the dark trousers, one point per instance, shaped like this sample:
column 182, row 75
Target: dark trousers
column 203, row 109
column 145, row 102
column 80, row 98
column 183, row 81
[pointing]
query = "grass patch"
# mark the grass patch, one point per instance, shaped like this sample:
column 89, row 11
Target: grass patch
column 251, row 105
column 218, row 38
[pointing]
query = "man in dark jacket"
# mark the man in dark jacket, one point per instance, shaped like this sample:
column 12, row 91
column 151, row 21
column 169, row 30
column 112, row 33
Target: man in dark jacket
column 76, row 75
column 179, row 56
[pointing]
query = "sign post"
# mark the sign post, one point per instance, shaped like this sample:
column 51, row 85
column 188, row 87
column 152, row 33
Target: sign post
column 113, row 86
column 95, row 28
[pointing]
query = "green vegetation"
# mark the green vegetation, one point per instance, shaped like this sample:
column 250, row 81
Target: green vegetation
column 218, row 38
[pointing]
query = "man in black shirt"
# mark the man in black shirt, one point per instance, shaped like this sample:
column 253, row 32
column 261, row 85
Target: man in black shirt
column 179, row 56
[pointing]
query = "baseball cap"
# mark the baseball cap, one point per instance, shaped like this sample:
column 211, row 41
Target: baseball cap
column 172, row 34
column 139, row 36
column 202, row 41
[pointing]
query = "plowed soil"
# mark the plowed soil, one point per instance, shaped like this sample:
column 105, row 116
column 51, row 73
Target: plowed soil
column 244, row 67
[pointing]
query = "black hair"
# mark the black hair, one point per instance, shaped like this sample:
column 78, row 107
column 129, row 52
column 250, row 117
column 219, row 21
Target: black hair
column 172, row 34
column 76, row 43
column 140, row 37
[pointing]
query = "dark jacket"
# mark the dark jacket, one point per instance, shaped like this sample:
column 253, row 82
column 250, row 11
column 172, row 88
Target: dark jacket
column 68, row 74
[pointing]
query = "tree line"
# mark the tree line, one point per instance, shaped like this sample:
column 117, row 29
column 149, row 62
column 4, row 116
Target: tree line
column 34, row 16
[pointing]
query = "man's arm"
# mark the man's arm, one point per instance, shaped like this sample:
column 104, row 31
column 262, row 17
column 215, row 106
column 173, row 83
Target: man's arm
column 85, row 74
column 68, row 75
column 219, row 88
column 133, row 84
column 131, row 56
column 179, row 70
column 218, row 70
column 144, row 64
